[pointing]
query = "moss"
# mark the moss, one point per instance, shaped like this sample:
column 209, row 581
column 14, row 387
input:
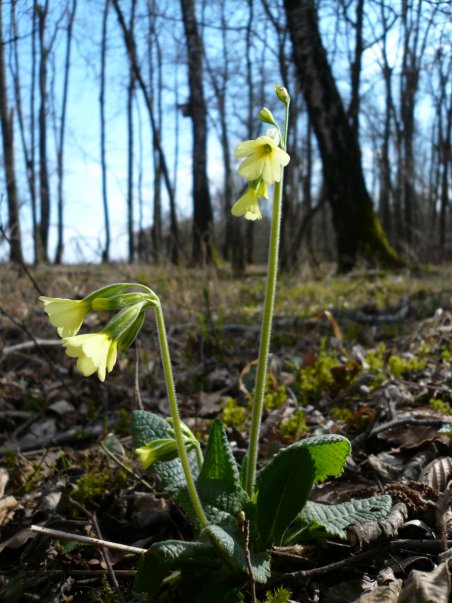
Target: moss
column 275, row 397
column 93, row 485
column 234, row 414
column 316, row 378
column 376, row 358
column 400, row 367
column 446, row 355
column 341, row 415
column 280, row 595
column 440, row 405
column 294, row 426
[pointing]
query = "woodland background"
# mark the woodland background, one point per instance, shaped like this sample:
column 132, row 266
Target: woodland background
column 175, row 85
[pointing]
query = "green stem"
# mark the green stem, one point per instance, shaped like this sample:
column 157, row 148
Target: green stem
column 171, row 391
column 264, row 345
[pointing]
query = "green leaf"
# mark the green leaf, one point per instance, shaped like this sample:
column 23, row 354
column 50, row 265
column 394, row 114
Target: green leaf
column 319, row 521
column 229, row 546
column 284, row 484
column 219, row 481
column 147, row 427
column 164, row 557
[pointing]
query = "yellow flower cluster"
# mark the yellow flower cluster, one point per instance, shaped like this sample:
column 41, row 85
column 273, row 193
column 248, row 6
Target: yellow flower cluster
column 262, row 167
column 97, row 352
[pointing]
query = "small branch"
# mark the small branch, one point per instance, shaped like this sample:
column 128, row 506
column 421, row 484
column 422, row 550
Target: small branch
column 124, row 466
column 60, row 535
column 245, row 528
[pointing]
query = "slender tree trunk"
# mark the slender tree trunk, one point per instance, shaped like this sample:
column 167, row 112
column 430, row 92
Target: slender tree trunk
column 42, row 121
column 251, row 119
column 358, row 230
column 446, row 157
column 7, row 125
column 353, row 109
column 60, row 149
column 130, row 145
column 202, row 208
column 131, row 51
column 103, row 149
column 156, row 84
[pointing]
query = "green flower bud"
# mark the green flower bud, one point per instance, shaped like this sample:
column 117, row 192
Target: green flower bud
column 124, row 320
column 266, row 116
column 282, row 94
column 129, row 336
column 116, row 302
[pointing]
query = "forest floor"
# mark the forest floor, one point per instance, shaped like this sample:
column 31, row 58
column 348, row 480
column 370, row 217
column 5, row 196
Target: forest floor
column 368, row 356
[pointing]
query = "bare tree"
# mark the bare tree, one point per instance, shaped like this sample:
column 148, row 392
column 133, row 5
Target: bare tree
column 60, row 147
column 202, row 207
column 103, row 150
column 358, row 230
column 7, row 124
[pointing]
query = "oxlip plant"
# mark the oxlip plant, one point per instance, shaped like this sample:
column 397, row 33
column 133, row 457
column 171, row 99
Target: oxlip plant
column 237, row 513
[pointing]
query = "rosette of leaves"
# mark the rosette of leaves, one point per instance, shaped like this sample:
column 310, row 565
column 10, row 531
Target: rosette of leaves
column 216, row 564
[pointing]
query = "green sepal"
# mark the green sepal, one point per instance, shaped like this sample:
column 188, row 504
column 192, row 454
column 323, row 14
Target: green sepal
column 283, row 486
column 124, row 320
column 131, row 333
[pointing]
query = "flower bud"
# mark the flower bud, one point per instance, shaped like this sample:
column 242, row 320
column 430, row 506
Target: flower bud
column 282, row 94
column 266, row 116
column 124, row 320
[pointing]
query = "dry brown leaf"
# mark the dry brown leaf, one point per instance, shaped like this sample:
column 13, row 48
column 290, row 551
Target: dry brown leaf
column 438, row 473
column 8, row 507
column 387, row 590
column 427, row 587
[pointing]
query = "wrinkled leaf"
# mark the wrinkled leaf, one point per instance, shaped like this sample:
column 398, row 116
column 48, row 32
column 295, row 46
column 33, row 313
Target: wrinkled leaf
column 164, row 557
column 219, row 480
column 284, row 484
column 319, row 521
column 146, row 427
column 229, row 545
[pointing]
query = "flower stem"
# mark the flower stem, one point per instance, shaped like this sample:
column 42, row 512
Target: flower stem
column 264, row 345
column 171, row 391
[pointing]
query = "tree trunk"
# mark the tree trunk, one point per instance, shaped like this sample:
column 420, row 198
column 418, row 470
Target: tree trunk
column 202, row 208
column 7, row 124
column 60, row 149
column 103, row 151
column 358, row 230
column 43, row 171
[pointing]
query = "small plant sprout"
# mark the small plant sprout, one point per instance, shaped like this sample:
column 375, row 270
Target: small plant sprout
column 238, row 513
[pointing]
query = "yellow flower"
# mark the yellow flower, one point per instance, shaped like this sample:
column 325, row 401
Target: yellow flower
column 247, row 205
column 65, row 314
column 95, row 352
column 264, row 158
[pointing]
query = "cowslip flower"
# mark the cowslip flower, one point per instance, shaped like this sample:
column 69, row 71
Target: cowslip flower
column 248, row 205
column 263, row 158
column 65, row 314
column 97, row 352
column 94, row 352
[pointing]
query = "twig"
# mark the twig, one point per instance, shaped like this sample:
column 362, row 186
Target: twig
column 124, row 466
column 60, row 535
column 397, row 423
column 245, row 529
column 356, row 559
column 40, row 350
column 25, row 345
column 106, row 556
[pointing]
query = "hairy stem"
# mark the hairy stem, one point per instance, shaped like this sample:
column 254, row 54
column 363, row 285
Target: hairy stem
column 266, row 328
column 171, row 391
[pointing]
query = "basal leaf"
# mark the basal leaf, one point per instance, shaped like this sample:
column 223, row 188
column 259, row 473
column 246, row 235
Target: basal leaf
column 284, row 484
column 164, row 557
column 229, row 545
column 318, row 521
column 219, row 481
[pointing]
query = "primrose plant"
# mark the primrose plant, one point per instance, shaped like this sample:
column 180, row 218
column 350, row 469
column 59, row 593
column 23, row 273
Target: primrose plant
column 237, row 513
